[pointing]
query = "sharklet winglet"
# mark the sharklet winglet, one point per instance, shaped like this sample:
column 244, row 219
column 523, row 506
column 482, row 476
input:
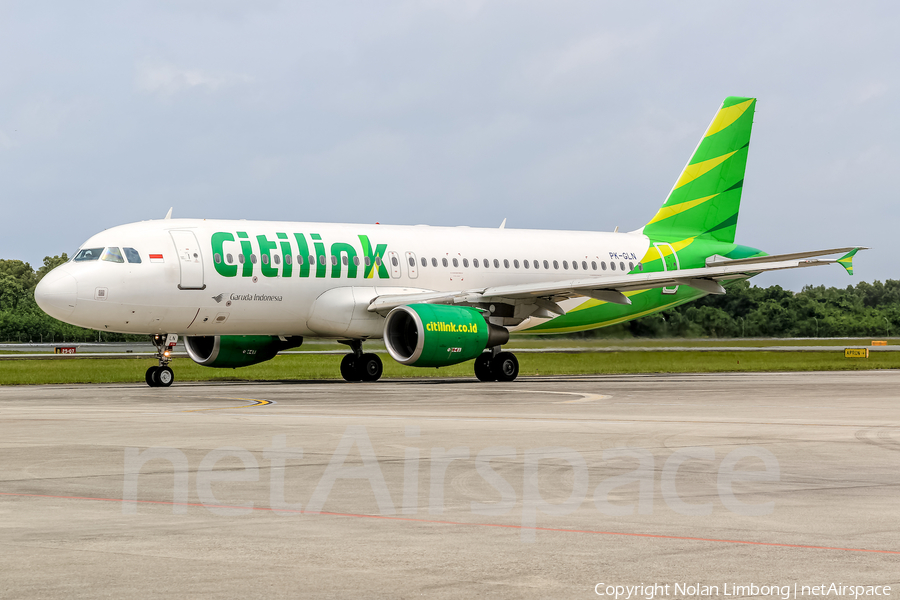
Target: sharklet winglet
column 846, row 260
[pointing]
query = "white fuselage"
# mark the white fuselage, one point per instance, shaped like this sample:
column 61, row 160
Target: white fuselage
column 201, row 283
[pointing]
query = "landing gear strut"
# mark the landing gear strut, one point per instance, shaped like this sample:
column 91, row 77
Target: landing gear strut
column 359, row 366
column 162, row 375
column 494, row 365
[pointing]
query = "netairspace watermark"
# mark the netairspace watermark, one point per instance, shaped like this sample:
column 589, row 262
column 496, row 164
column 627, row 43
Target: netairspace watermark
column 785, row 592
column 531, row 497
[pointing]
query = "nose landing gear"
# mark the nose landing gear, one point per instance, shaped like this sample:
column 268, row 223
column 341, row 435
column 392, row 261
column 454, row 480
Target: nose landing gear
column 162, row 375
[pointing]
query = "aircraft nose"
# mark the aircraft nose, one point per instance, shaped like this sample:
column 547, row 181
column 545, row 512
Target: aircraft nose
column 56, row 294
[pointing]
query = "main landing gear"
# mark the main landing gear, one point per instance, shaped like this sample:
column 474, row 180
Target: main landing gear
column 359, row 366
column 162, row 376
column 494, row 365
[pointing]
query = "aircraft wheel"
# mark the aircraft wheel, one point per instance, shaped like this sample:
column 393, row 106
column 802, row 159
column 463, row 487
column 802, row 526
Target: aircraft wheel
column 348, row 368
column 164, row 377
column 483, row 368
column 505, row 366
column 369, row 367
column 150, row 377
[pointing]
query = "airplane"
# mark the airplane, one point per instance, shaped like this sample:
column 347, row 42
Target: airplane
column 239, row 292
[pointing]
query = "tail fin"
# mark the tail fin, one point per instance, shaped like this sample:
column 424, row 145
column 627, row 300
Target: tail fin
column 706, row 198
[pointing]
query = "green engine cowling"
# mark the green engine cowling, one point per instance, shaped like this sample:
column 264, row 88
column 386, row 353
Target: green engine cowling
column 232, row 351
column 434, row 335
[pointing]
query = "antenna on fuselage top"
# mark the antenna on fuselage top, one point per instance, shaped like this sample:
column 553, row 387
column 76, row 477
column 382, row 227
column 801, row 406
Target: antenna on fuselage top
column 168, row 214
column 503, row 224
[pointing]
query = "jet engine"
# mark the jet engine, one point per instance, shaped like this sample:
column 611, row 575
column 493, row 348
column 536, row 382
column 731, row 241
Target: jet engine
column 232, row 351
column 434, row 335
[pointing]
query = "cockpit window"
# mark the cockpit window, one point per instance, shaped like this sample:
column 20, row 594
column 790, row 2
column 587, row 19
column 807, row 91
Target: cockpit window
column 132, row 255
column 88, row 254
column 112, row 254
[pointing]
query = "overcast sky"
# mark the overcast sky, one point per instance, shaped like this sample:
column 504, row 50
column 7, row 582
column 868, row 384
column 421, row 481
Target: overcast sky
column 568, row 115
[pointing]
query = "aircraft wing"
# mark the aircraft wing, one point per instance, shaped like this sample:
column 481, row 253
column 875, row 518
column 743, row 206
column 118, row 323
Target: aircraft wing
column 611, row 288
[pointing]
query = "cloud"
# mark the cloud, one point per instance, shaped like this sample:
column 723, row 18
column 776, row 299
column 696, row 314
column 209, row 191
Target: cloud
column 168, row 80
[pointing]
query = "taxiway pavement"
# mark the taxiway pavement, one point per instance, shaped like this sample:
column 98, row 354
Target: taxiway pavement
column 540, row 488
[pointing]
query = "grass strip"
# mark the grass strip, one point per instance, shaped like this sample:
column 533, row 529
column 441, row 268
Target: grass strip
column 298, row 367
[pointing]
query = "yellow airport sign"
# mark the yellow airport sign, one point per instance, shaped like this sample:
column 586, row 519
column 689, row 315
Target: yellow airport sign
column 879, row 343
column 856, row 353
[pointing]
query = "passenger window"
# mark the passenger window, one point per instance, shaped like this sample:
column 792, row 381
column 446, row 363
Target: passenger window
column 525, row 262
column 368, row 262
column 253, row 258
column 229, row 259
column 486, row 263
column 622, row 265
column 287, row 259
column 496, row 264
column 321, row 259
column 444, row 261
column 112, row 254
column 516, row 263
column 603, row 264
column 217, row 257
column 132, row 255
column 345, row 260
column 88, row 254
column 424, row 261
column 433, row 262
column 265, row 259
column 412, row 261
column 377, row 261
column 506, row 263
column 299, row 259
column 612, row 265
column 466, row 262
column 584, row 265
column 334, row 260
column 475, row 262
column 277, row 259
column 566, row 265
column 241, row 258
column 546, row 265
column 574, row 264
column 640, row 266
column 356, row 260
column 556, row 265
column 631, row 266
column 594, row 265
column 455, row 263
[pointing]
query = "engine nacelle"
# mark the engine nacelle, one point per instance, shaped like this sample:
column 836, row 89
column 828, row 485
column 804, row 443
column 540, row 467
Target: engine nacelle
column 232, row 351
column 434, row 335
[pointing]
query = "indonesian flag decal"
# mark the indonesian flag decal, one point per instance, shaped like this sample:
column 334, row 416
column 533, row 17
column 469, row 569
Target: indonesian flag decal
column 156, row 258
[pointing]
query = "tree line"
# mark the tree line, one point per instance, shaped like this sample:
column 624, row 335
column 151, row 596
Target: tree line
column 863, row 310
